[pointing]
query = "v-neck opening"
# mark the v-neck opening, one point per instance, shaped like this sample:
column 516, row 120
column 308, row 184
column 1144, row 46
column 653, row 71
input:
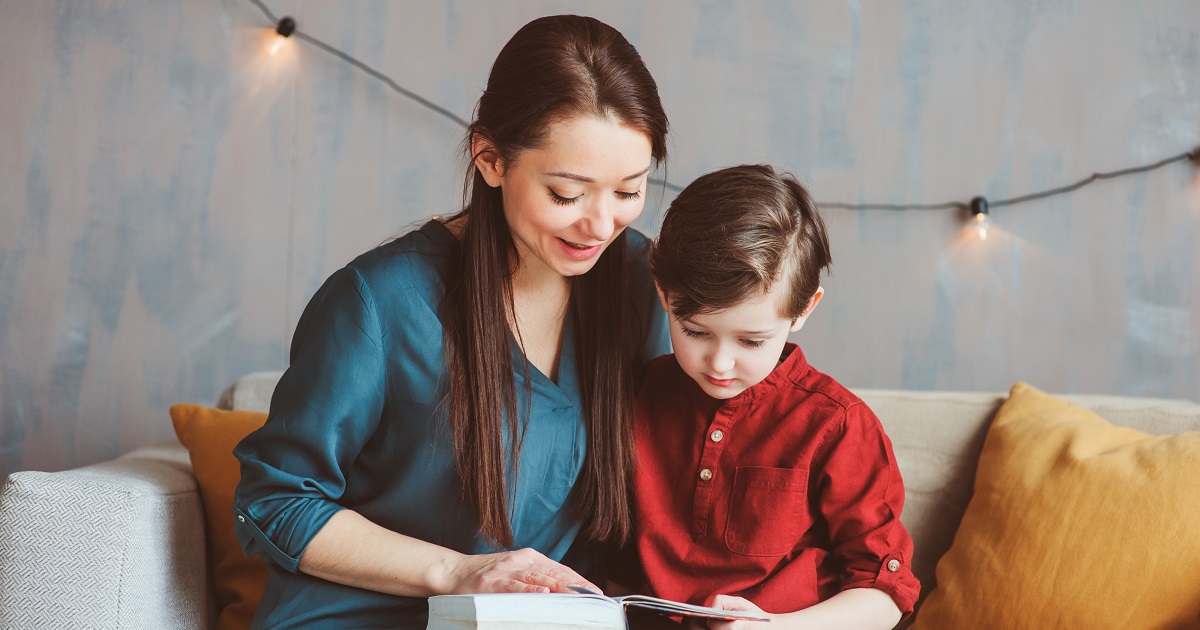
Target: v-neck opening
column 567, row 385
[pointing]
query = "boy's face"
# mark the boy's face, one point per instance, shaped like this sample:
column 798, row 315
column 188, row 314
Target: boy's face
column 729, row 351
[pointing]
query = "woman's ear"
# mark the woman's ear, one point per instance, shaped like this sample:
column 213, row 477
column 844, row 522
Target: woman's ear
column 487, row 160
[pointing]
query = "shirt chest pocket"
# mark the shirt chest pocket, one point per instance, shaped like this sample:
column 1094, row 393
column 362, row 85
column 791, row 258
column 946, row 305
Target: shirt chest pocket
column 768, row 511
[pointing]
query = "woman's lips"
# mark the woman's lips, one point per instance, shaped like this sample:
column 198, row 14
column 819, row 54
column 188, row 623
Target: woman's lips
column 577, row 251
column 719, row 382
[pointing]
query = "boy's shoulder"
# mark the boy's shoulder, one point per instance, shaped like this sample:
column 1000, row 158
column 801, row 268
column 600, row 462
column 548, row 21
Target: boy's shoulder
column 663, row 387
column 661, row 366
column 837, row 399
column 820, row 383
column 660, row 374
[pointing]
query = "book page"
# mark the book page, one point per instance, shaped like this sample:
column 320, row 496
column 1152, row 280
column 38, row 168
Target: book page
column 669, row 607
column 558, row 611
column 520, row 611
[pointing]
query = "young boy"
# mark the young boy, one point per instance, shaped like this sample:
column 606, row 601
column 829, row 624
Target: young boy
column 762, row 484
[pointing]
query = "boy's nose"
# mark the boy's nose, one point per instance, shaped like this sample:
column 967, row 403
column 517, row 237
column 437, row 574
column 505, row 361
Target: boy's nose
column 720, row 362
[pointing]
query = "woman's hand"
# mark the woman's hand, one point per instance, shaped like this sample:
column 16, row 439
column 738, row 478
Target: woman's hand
column 729, row 602
column 520, row 571
column 352, row 550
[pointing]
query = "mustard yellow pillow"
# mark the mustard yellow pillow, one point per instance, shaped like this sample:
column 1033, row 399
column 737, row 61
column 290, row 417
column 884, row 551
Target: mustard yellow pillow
column 1074, row 523
column 209, row 436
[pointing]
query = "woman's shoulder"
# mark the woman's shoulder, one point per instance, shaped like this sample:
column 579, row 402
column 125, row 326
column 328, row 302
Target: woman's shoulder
column 399, row 284
column 637, row 254
column 639, row 244
column 417, row 260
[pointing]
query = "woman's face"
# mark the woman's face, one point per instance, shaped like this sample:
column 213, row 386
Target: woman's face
column 567, row 201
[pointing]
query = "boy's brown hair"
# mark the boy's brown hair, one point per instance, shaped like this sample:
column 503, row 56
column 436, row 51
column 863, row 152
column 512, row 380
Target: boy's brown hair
column 734, row 233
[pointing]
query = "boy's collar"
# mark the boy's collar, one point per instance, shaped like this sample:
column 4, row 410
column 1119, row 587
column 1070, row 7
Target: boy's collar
column 791, row 366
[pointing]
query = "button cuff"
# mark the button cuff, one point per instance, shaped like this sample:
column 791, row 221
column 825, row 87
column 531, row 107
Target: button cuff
column 255, row 541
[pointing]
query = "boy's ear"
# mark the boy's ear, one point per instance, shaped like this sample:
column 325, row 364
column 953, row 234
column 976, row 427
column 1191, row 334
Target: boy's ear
column 799, row 322
column 487, row 160
column 662, row 297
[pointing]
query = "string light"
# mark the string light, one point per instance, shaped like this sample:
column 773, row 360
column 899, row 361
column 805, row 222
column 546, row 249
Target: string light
column 283, row 30
column 1196, row 179
column 978, row 208
column 980, row 222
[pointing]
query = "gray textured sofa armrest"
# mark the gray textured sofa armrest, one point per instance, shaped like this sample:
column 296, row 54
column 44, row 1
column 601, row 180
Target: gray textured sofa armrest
column 116, row 545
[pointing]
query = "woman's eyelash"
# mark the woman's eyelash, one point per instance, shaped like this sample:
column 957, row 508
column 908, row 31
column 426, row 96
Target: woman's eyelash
column 561, row 200
column 566, row 201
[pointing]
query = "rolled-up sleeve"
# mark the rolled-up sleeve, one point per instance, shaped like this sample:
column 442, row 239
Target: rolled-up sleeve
column 861, row 497
column 324, row 410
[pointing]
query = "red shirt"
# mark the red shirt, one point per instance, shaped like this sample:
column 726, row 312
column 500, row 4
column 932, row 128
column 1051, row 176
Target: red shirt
column 786, row 494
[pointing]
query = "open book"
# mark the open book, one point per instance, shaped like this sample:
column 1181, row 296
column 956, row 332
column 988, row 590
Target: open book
column 557, row 611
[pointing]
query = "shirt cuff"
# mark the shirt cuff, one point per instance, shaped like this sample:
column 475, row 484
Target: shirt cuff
column 892, row 575
column 286, row 541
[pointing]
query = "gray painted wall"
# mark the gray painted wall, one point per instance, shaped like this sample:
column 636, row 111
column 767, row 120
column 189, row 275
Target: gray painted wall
column 171, row 195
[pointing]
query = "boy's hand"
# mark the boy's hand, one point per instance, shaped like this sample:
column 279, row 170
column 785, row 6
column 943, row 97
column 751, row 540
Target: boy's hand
column 729, row 602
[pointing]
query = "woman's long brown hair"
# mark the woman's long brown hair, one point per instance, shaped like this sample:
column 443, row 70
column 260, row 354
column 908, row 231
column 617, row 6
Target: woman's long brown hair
column 553, row 69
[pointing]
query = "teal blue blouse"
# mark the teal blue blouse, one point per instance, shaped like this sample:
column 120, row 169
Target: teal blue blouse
column 355, row 422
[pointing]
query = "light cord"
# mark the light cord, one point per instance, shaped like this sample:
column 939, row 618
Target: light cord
column 1193, row 155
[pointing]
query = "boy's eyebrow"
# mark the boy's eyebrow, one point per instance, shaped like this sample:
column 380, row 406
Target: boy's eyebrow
column 590, row 180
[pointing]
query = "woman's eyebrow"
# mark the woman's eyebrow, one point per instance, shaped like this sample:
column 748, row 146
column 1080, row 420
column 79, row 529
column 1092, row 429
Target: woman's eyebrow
column 585, row 178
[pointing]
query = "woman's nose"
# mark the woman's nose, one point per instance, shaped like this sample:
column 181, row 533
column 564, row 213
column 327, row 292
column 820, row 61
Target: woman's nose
column 598, row 221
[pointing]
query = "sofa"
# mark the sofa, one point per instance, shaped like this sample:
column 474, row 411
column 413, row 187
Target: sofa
column 121, row 544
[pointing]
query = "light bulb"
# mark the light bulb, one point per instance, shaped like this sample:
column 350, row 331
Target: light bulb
column 981, row 223
column 283, row 31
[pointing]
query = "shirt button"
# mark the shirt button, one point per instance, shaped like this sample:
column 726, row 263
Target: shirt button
column 893, row 565
column 241, row 519
column 717, row 435
column 705, row 474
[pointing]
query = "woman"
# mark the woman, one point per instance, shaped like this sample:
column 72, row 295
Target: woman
column 456, row 416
